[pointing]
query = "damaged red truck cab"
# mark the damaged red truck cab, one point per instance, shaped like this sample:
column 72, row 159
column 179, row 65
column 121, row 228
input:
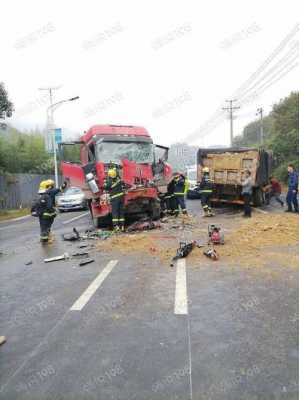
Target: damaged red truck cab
column 142, row 167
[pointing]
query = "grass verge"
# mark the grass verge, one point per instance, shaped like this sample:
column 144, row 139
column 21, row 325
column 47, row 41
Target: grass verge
column 11, row 214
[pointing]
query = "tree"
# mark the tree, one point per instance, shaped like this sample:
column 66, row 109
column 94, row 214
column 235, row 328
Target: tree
column 6, row 106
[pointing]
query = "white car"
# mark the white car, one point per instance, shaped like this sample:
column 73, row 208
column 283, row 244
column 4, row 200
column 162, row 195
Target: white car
column 72, row 198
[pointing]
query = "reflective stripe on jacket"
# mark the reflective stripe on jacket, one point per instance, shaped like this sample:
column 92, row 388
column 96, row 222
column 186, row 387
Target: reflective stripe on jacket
column 115, row 187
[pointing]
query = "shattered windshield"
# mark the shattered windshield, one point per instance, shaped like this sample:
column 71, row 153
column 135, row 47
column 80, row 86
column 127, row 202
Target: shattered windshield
column 117, row 151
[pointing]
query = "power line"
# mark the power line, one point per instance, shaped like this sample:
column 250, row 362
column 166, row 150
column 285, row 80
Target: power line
column 231, row 110
column 217, row 117
column 287, row 59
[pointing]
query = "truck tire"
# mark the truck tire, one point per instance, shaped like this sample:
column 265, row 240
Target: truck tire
column 258, row 197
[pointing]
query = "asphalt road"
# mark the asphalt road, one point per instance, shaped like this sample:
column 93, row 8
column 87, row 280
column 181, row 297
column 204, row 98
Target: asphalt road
column 128, row 328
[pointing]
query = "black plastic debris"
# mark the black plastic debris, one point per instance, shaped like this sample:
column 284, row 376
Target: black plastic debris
column 80, row 253
column 71, row 236
column 86, row 261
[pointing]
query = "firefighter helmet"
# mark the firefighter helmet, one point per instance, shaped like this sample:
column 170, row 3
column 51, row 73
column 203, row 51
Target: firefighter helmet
column 42, row 187
column 50, row 183
column 112, row 173
column 205, row 170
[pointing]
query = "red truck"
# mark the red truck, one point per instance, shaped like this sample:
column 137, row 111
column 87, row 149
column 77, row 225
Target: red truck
column 141, row 164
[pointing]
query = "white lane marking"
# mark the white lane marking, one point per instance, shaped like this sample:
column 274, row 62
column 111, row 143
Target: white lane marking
column 190, row 358
column 181, row 303
column 34, row 352
column 93, row 287
column 261, row 211
column 75, row 218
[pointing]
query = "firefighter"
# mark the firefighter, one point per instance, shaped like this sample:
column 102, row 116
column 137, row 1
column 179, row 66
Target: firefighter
column 114, row 186
column 180, row 189
column 45, row 208
column 206, row 191
column 170, row 199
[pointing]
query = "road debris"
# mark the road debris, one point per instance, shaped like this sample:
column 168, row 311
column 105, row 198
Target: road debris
column 86, row 261
column 64, row 256
column 97, row 234
column 183, row 251
column 80, row 253
column 72, row 236
column 255, row 240
column 211, row 253
column 143, row 226
column 29, row 262
column 2, row 340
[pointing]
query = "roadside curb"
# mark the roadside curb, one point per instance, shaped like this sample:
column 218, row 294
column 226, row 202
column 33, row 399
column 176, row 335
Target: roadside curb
column 14, row 219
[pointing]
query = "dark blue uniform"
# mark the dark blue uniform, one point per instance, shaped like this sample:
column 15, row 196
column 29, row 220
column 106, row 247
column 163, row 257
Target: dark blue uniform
column 48, row 213
column 116, row 191
column 292, row 191
column 206, row 191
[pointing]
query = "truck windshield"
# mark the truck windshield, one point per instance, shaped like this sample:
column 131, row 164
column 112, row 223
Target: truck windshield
column 115, row 152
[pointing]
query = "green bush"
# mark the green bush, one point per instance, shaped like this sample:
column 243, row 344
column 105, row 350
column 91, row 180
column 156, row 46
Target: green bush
column 281, row 172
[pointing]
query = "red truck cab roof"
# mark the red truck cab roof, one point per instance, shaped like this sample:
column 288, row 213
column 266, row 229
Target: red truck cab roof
column 119, row 130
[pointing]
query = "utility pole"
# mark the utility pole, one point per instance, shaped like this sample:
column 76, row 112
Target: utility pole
column 50, row 111
column 50, row 142
column 231, row 110
column 260, row 112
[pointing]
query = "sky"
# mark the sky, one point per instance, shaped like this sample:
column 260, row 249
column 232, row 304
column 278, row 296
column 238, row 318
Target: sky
column 165, row 65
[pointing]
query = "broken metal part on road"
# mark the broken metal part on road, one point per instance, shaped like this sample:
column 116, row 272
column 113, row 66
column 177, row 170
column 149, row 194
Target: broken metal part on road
column 72, row 236
column 80, row 253
column 211, row 253
column 183, row 251
column 86, row 261
column 64, row 256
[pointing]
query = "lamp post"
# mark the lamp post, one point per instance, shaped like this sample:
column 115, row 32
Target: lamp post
column 51, row 110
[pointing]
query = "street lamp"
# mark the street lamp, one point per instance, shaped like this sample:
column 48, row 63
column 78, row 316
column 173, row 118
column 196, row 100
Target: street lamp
column 51, row 109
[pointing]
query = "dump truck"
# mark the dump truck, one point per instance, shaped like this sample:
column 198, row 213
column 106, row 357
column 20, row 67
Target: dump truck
column 226, row 168
column 142, row 167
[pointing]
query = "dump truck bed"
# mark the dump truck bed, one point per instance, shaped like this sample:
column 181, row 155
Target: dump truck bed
column 227, row 166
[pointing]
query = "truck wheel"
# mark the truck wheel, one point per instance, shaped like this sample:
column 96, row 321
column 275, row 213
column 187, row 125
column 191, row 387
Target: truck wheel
column 258, row 197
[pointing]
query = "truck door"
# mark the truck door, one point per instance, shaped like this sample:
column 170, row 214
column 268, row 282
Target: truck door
column 161, row 169
column 75, row 162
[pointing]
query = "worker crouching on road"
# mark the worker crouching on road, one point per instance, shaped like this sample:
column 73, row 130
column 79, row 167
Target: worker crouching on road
column 44, row 208
column 114, row 186
column 273, row 190
column 206, row 191
column 292, row 189
column 246, row 184
column 180, row 188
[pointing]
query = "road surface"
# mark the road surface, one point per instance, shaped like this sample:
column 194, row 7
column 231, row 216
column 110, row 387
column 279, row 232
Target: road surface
column 129, row 328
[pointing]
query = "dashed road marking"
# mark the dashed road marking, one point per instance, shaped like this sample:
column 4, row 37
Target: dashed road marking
column 181, row 302
column 93, row 287
column 75, row 218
